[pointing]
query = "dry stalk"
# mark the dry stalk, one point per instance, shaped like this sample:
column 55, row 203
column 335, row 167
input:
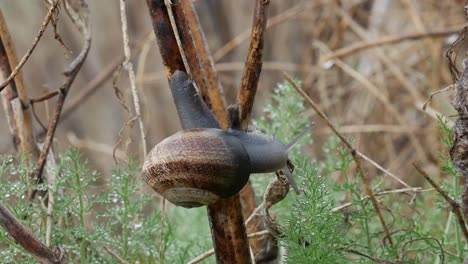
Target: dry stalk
column 201, row 257
column 128, row 65
column 20, row 121
column 228, row 231
column 352, row 151
column 253, row 63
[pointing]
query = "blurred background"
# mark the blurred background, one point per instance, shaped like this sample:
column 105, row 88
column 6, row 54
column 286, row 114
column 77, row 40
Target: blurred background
column 375, row 95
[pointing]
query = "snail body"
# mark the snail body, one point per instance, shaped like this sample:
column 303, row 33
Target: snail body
column 203, row 163
column 199, row 166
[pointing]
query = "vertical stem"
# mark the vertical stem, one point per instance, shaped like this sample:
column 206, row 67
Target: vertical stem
column 23, row 126
column 253, row 64
column 227, row 225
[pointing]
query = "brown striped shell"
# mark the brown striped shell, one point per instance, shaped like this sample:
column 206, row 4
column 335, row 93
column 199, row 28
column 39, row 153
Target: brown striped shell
column 197, row 167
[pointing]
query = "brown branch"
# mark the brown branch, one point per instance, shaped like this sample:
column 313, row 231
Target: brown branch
column 28, row 53
column 81, row 20
column 253, row 63
column 454, row 204
column 227, row 227
column 205, row 71
column 388, row 40
column 44, row 97
column 246, row 98
column 23, row 237
column 351, row 149
column 205, row 60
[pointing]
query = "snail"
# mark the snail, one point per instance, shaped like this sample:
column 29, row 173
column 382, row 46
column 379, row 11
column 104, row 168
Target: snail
column 203, row 163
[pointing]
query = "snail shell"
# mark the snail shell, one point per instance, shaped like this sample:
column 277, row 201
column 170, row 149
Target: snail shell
column 197, row 167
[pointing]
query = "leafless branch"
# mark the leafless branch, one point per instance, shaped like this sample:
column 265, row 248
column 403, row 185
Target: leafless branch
column 81, row 20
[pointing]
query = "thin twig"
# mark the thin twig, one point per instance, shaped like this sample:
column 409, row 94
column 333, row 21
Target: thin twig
column 259, row 233
column 352, row 151
column 388, row 40
column 254, row 213
column 28, row 53
column 25, row 238
column 95, row 146
column 415, row 190
column 454, row 204
column 115, row 255
column 81, row 20
column 44, row 97
column 129, row 67
column 201, row 257
column 429, row 100
column 398, row 179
